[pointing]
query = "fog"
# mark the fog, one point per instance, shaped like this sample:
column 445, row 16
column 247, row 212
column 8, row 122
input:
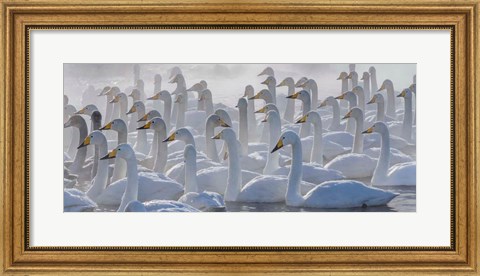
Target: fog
column 226, row 81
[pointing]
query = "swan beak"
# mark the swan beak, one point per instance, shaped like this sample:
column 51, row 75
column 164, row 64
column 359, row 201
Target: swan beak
column 373, row 100
column 154, row 97
column 109, row 92
column 170, row 138
column 264, row 120
column 85, row 142
column 302, row 120
column 143, row 119
column 81, row 111
column 146, row 126
column 217, row 137
column 115, row 100
column 223, row 124
column 369, row 130
column 225, row 155
column 256, row 97
column 324, row 103
column 402, row 95
column 281, row 84
column 265, row 82
column 278, row 146
column 349, row 76
column 339, row 77
column 110, row 155
column 362, row 78
column 381, row 88
column 293, row 96
column 262, row 110
column 347, row 115
column 341, row 97
column 66, row 125
column 132, row 110
column 107, row 126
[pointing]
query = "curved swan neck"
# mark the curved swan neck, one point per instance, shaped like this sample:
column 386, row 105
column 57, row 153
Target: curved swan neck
column 275, row 129
column 191, row 185
column 181, row 114
column 243, row 129
column 290, row 109
column 391, row 110
column 272, row 87
column 380, row 173
column 210, row 146
column 344, row 85
column 373, row 79
column 162, row 151
column 380, row 111
column 293, row 196
column 407, row 120
column 101, row 178
column 167, row 110
column 336, row 114
column 314, row 91
column 208, row 107
column 317, row 150
column 81, row 154
column 234, row 180
column 131, row 191
column 358, row 139
column 366, row 86
column 122, row 135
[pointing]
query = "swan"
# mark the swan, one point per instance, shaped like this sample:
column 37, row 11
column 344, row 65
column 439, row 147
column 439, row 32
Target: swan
column 366, row 84
column 399, row 174
column 148, row 162
column 159, row 206
column 355, row 164
column 290, row 108
column 373, row 78
column 77, row 166
column 265, row 95
column 160, row 133
column 137, row 186
column 358, row 91
column 268, row 71
column 271, row 83
column 72, row 135
column 335, row 124
column 344, row 78
column 380, row 117
column 413, row 88
column 120, row 167
column 391, row 109
column 247, row 147
column 205, row 98
column 164, row 96
column 157, row 87
column 141, row 144
column 303, row 96
column 204, row 201
column 353, row 77
column 311, row 86
column 180, row 90
column 263, row 188
column 273, row 120
column 76, row 201
column 110, row 93
column 198, row 87
column 330, row 194
column 252, row 122
column 408, row 116
column 352, row 102
column 121, row 101
column 211, row 149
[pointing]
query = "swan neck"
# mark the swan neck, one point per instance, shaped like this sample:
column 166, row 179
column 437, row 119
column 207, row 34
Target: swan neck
column 407, row 120
column 131, row 191
column 162, row 151
column 317, row 150
column 191, row 185
column 243, row 129
column 380, row 173
column 234, row 179
column 358, row 139
column 293, row 196
column 210, row 146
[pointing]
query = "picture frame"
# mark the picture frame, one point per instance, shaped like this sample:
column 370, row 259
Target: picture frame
column 20, row 17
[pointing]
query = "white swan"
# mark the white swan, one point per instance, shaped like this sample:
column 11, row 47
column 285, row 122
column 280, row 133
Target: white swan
column 380, row 116
column 211, row 149
column 78, row 164
column 273, row 120
column 290, row 108
column 120, row 167
column 264, row 188
column 303, row 96
column 268, row 71
column 164, row 96
column 311, row 86
column 271, row 83
column 344, row 78
column 352, row 102
column 202, row 200
column 159, row 206
column 137, row 186
column 331, row 194
column 366, row 84
column 205, row 98
column 408, row 116
column 373, row 78
column 391, row 109
column 252, row 122
column 76, row 201
column 399, row 174
column 120, row 101
column 335, row 124
column 141, row 145
column 160, row 133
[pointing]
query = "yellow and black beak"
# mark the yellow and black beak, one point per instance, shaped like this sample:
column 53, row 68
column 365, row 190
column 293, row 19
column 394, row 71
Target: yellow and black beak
column 264, row 120
column 256, row 97
column 281, row 84
column 81, row 111
column 107, row 126
column 262, row 110
column 143, row 119
column 373, row 100
column 154, row 97
column 278, row 146
column 302, row 120
column 348, row 115
column 223, row 124
column 324, row 103
column 170, row 138
column 133, row 109
column 146, row 126
column 402, row 94
column 339, row 77
column 369, row 130
column 265, row 82
column 115, row 100
column 381, row 88
column 217, row 137
column 341, row 97
column 85, row 142
column 293, row 96
column 110, row 155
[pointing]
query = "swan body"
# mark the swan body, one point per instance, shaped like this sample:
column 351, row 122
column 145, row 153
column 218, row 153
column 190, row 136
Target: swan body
column 76, row 201
column 159, row 206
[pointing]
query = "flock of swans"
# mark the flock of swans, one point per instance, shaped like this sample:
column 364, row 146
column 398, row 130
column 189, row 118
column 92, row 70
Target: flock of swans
column 174, row 152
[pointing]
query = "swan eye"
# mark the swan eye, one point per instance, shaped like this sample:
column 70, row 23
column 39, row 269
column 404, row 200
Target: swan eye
column 119, row 149
column 91, row 136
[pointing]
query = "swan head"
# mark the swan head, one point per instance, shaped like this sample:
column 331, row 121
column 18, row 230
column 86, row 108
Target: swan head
column 310, row 117
column 261, row 95
column 138, row 105
column 301, row 81
column 96, row 137
column 287, row 138
column 204, row 84
column 249, row 91
column 156, row 123
column 372, row 70
column 104, row 91
column 65, row 100
column 378, row 127
column 216, row 121
column 119, row 97
column 328, row 101
column 113, row 91
column 353, row 75
column 177, row 78
column 377, row 98
column 75, row 121
column 226, row 134
column 96, row 116
column 271, row 115
column 197, row 87
column 175, row 71
column 406, row 93
column 301, row 95
column 135, row 94
column 342, row 76
column 69, row 110
column 87, row 110
column 179, row 134
column 242, row 103
column 123, row 151
column 150, row 115
column 267, row 72
column 205, row 95
column 117, row 125
column 224, row 115
column 286, row 82
column 269, row 80
column 358, row 90
column 413, row 87
column 386, row 85
column 354, row 113
column 346, row 96
column 365, row 76
column 266, row 108
column 135, row 206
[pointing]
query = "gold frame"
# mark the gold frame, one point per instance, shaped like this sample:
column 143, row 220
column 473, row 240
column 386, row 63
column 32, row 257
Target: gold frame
column 21, row 16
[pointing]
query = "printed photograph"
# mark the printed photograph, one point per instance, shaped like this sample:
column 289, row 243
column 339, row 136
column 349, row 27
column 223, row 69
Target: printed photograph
column 311, row 137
